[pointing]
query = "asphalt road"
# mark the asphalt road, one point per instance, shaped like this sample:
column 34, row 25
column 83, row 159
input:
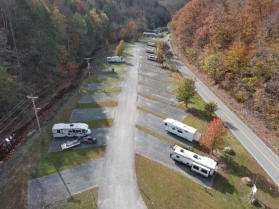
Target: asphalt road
column 118, row 188
column 263, row 155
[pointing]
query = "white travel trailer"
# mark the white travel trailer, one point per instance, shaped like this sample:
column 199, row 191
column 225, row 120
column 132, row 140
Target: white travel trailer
column 115, row 59
column 70, row 130
column 149, row 50
column 199, row 164
column 151, row 44
column 187, row 132
column 156, row 35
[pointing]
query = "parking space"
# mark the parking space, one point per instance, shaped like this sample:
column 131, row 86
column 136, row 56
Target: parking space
column 160, row 95
column 157, row 84
column 100, row 97
column 92, row 114
column 162, row 109
column 96, row 86
column 99, row 133
column 111, row 75
column 116, row 69
column 157, row 76
column 159, row 151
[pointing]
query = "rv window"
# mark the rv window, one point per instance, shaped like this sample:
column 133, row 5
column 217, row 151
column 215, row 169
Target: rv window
column 195, row 156
column 71, row 125
column 204, row 171
column 83, row 131
column 177, row 156
column 78, row 131
column 179, row 131
column 196, row 167
column 181, row 150
column 166, row 124
column 173, row 128
column 58, row 131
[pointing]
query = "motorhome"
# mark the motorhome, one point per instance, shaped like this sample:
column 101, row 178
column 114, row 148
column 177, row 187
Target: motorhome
column 70, row 130
column 152, row 44
column 115, row 59
column 187, row 132
column 199, row 164
column 149, row 50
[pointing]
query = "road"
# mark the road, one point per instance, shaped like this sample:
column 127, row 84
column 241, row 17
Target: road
column 262, row 154
column 118, row 189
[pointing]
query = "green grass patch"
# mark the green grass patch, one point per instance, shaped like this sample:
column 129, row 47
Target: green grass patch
column 96, row 105
column 109, row 80
column 84, row 200
column 115, row 72
column 161, row 101
column 106, row 91
column 52, row 162
column 154, row 87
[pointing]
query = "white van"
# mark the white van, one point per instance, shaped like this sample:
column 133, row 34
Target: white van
column 115, row 59
column 70, row 130
column 187, row 132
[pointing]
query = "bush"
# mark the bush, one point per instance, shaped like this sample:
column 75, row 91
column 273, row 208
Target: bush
column 210, row 107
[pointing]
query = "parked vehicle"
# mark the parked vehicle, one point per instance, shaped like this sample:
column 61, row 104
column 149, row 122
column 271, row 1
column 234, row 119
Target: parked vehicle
column 152, row 44
column 199, row 164
column 115, row 59
column 150, row 34
column 187, row 132
column 149, row 50
column 151, row 57
column 89, row 140
column 70, row 130
column 70, row 144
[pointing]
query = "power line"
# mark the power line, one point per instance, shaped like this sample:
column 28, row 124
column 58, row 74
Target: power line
column 35, row 110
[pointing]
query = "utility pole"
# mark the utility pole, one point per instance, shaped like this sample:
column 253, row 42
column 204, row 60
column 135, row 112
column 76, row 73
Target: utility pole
column 88, row 65
column 35, row 110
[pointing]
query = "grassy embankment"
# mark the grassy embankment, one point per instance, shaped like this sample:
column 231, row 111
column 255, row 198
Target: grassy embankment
column 163, row 188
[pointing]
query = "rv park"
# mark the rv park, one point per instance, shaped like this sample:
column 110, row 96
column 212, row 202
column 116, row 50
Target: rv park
column 123, row 141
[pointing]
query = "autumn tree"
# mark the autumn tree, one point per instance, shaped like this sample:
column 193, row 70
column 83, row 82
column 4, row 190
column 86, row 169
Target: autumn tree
column 186, row 91
column 119, row 49
column 213, row 137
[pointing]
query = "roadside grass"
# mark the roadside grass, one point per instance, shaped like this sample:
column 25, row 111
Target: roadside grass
column 106, row 91
column 84, row 200
column 158, row 184
column 115, row 72
column 154, row 87
column 161, row 101
column 57, row 161
column 109, row 80
column 96, row 105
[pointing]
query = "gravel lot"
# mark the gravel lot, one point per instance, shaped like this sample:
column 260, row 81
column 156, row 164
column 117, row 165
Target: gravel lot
column 157, row 84
column 111, row 75
column 157, row 76
column 92, row 114
column 100, row 97
column 105, row 85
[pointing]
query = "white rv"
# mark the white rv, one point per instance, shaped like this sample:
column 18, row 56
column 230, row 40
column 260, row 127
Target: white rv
column 187, row 132
column 199, row 164
column 115, row 59
column 151, row 57
column 149, row 50
column 151, row 44
column 70, row 130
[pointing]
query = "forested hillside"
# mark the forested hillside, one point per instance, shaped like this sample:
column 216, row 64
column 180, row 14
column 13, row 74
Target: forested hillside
column 237, row 43
column 43, row 41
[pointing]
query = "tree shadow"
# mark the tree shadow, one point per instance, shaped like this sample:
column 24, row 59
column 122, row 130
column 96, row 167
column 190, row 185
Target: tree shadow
column 230, row 125
column 201, row 114
column 261, row 182
column 222, row 184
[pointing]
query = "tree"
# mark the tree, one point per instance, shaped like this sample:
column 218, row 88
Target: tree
column 213, row 137
column 186, row 91
column 119, row 49
column 210, row 107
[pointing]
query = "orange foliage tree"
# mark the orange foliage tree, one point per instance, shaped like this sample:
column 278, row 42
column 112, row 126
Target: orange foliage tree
column 214, row 135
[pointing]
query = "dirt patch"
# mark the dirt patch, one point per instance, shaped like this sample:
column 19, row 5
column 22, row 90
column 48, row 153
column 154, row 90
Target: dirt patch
column 252, row 120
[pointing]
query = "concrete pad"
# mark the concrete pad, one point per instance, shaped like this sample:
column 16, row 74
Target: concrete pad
column 156, row 125
column 157, row 76
column 102, row 97
column 157, row 84
column 159, row 151
column 162, row 109
column 111, row 75
column 44, row 191
column 92, row 114
column 105, row 85
column 161, row 95
column 100, row 133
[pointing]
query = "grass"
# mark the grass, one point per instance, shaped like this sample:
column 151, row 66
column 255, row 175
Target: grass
column 57, row 161
column 96, row 105
column 109, row 80
column 115, row 72
column 153, row 87
column 227, row 192
column 106, row 91
column 84, row 200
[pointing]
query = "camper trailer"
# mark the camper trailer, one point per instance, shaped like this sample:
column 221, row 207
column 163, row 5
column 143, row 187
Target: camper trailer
column 150, row 51
column 198, row 164
column 151, row 44
column 187, row 132
column 115, row 59
column 70, row 130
